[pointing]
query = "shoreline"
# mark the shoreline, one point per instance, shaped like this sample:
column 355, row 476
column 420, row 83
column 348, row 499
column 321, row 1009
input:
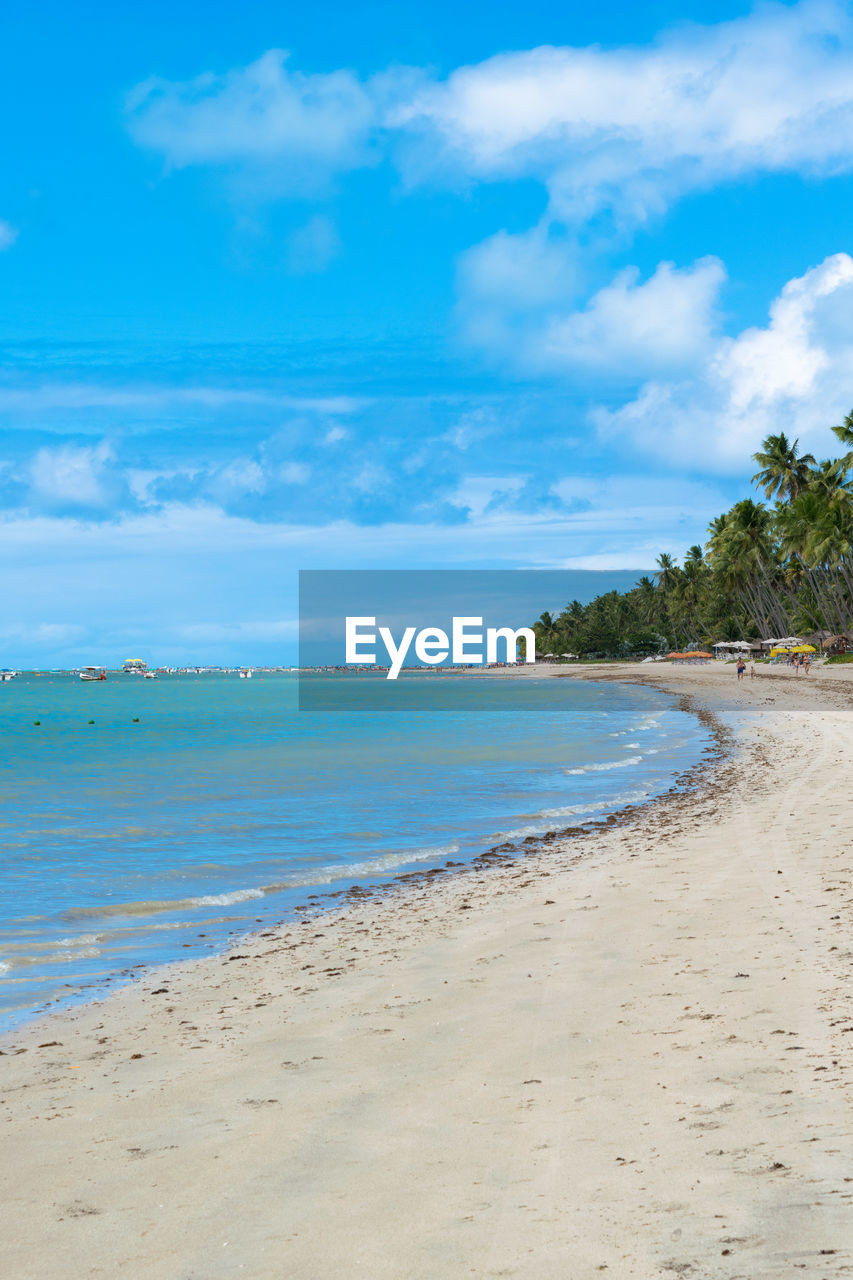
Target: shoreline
column 453, row 1117
column 313, row 899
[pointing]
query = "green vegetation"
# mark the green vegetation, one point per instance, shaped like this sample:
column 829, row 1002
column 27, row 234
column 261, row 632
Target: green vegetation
column 765, row 570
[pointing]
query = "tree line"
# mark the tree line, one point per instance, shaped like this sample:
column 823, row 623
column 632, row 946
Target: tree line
column 769, row 569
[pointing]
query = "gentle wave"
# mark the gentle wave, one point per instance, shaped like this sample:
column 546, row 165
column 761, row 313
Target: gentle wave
column 315, row 876
column 50, row 957
column 608, row 764
column 542, row 821
column 257, row 809
column 225, row 899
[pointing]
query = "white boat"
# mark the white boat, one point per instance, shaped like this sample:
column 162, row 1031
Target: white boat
column 245, row 673
column 6, row 676
column 150, row 675
column 93, row 673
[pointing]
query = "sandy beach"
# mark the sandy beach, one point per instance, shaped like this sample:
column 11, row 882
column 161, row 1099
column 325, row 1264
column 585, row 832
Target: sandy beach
column 623, row 1054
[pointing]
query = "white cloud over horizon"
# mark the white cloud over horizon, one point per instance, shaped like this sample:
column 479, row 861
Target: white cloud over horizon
column 59, row 394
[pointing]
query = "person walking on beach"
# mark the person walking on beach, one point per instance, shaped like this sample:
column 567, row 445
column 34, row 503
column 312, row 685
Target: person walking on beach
column 752, row 670
column 741, row 667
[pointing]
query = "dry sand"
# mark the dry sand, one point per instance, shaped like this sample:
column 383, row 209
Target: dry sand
column 624, row 1055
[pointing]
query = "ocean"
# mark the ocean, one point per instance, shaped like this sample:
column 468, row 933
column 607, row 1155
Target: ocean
column 145, row 821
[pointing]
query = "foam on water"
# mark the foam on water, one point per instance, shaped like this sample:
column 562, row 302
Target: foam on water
column 604, row 766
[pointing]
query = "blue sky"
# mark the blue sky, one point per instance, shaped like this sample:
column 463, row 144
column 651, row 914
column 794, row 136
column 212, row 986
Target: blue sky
column 391, row 285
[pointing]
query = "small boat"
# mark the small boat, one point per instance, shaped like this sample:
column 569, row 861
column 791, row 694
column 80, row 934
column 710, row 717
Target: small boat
column 245, row 673
column 6, row 675
column 93, row 673
column 150, row 675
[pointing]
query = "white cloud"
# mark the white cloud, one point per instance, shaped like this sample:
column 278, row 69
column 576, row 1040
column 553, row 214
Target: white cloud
column 71, row 475
column 8, row 235
column 242, row 476
column 662, row 323
column 372, row 478
column 529, row 269
column 295, row 473
column 313, row 246
column 630, row 129
column 479, row 494
column 625, row 130
column 472, row 427
column 794, row 375
column 305, row 128
column 785, row 360
column 633, row 326
column 67, row 395
column 505, row 279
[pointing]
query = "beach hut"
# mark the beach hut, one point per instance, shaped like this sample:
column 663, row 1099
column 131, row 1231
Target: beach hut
column 833, row 644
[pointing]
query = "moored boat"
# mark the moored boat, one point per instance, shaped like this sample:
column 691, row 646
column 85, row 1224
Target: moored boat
column 93, row 673
column 6, row 675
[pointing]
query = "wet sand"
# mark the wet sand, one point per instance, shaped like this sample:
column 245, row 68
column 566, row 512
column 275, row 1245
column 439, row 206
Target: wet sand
column 624, row 1054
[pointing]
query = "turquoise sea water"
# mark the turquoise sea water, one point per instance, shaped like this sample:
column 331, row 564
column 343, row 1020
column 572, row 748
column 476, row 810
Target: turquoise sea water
column 129, row 844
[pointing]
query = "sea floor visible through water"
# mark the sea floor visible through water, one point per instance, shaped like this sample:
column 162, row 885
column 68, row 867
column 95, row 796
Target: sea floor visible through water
column 148, row 821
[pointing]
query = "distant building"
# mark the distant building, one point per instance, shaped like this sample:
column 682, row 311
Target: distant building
column 135, row 666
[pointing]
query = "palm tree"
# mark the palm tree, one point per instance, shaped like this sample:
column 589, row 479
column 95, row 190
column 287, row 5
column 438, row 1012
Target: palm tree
column 667, row 572
column 545, row 630
column 845, row 432
column 646, row 599
column 783, row 473
column 744, row 558
column 829, row 479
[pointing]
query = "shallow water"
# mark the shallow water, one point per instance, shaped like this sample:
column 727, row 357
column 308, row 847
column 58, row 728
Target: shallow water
column 129, row 844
